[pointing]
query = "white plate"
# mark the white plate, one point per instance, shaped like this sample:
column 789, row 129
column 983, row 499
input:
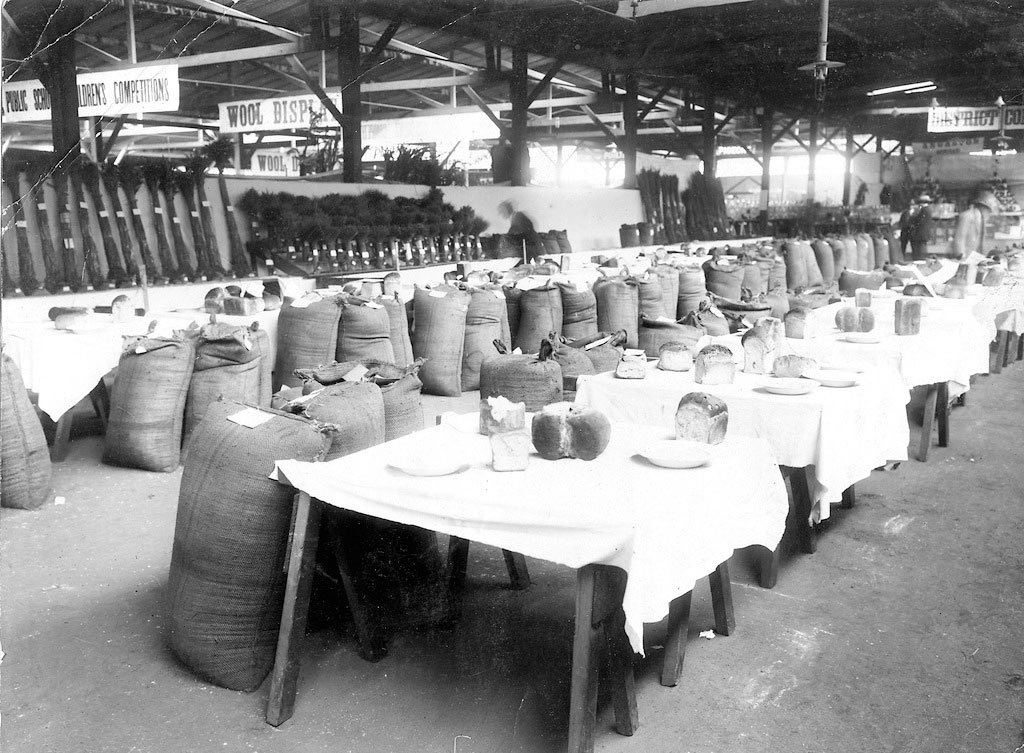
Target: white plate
column 677, row 453
column 863, row 338
column 429, row 465
column 788, row 385
column 833, row 377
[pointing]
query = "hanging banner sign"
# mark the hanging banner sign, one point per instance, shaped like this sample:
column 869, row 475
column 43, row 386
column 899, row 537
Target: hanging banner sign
column 952, row 145
column 279, row 113
column 960, row 119
column 100, row 94
column 275, row 162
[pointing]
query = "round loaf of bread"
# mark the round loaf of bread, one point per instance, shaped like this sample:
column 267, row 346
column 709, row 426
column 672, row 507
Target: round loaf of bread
column 675, row 356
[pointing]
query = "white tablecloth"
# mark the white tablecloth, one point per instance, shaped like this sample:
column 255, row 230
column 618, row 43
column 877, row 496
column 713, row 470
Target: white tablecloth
column 666, row 528
column 63, row 367
column 844, row 433
column 952, row 346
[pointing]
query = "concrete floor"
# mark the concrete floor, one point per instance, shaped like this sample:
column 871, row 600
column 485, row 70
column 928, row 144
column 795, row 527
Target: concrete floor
column 903, row 633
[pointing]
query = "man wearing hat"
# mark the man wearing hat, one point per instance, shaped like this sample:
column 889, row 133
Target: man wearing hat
column 920, row 228
column 970, row 224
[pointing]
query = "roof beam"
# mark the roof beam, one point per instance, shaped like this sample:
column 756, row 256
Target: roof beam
column 226, row 56
column 550, row 74
column 486, row 109
column 214, row 12
column 373, row 57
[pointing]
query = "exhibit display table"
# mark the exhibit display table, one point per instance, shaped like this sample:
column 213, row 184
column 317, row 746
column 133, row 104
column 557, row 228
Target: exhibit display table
column 839, row 433
column 664, row 527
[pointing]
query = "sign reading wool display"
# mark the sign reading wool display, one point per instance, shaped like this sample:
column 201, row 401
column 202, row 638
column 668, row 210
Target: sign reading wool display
column 250, row 115
column 959, row 119
column 100, row 94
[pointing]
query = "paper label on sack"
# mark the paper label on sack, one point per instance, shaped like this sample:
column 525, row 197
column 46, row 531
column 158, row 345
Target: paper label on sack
column 139, row 350
column 255, row 288
column 499, row 295
column 714, row 310
column 250, row 417
column 665, row 319
column 356, row 374
column 306, row 300
column 373, row 305
column 438, row 294
column 634, row 352
column 597, row 343
column 581, row 286
column 517, row 352
column 304, row 399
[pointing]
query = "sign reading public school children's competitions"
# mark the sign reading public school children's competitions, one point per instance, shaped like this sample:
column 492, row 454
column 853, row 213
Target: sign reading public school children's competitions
column 100, row 94
column 962, row 119
column 249, row 115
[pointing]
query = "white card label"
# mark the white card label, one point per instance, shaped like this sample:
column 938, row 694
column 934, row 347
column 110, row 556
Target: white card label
column 250, row 417
column 438, row 294
column 373, row 305
column 597, row 343
column 356, row 374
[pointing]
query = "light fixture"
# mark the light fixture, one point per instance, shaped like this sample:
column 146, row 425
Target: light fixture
column 999, row 102
column 934, row 103
column 895, row 112
column 899, row 88
column 922, row 89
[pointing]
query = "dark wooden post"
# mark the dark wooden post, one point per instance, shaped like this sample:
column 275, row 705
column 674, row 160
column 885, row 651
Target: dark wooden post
column 812, row 157
column 351, row 105
column 767, row 142
column 630, row 122
column 708, row 132
column 847, row 176
column 519, row 97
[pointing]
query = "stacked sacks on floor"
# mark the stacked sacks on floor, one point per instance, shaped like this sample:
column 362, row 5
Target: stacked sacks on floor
column 307, row 336
column 540, row 312
column 618, row 307
column 147, row 403
column 533, row 379
column 24, row 456
column 439, row 334
column 579, row 310
column 364, row 330
column 486, row 321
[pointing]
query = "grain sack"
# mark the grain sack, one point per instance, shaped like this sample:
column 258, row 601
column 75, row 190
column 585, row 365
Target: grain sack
column 25, row 483
column 512, row 296
column 618, row 307
column 723, row 279
column 239, row 383
column 708, row 318
column 364, row 330
column 825, row 260
column 540, row 312
column 147, row 403
column 579, row 310
column 307, row 335
column 796, row 265
column 865, row 252
column 755, row 282
column 692, row 290
column 572, row 361
column 483, row 327
column 881, row 249
column 668, row 276
column 606, row 354
column 839, row 261
column 522, row 379
column 227, row 576
column 439, row 333
column 355, row 408
column 262, row 345
column 779, row 275
column 852, row 256
column 814, row 276
column 398, row 329
column 650, row 297
column 654, row 334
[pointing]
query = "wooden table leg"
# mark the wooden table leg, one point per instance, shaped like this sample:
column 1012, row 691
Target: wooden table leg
column 62, row 437
column 928, row 422
column 518, row 575
column 849, row 498
column 284, row 677
column 675, row 639
column 100, row 398
column 586, row 648
column 721, row 600
column 942, row 413
column 802, row 503
column 768, row 567
column 998, row 351
column 620, row 673
column 1012, row 348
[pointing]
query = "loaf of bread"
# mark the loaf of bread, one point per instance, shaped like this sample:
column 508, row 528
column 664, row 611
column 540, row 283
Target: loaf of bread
column 72, row 318
column 855, row 319
column 761, row 344
column 510, row 450
column 714, row 365
column 632, row 366
column 122, row 309
column 908, row 316
column 499, row 414
column 675, row 356
column 795, row 322
column 794, row 366
column 862, row 298
column 214, row 303
column 242, row 306
column 701, row 417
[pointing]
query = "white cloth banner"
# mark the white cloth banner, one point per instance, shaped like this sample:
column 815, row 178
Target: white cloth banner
column 100, row 94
